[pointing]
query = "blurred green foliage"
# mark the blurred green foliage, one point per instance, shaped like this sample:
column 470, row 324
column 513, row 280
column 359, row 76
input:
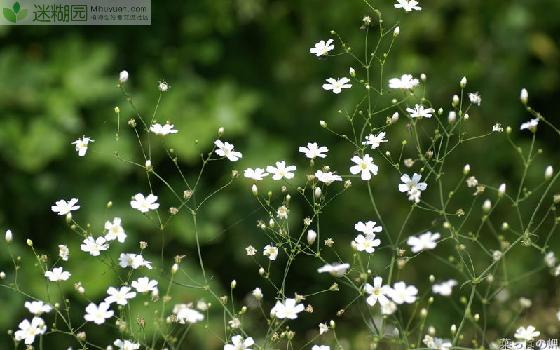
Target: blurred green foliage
column 243, row 65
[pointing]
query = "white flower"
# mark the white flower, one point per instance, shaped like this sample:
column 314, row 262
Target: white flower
column 475, row 98
column 163, row 130
column 365, row 166
column 444, row 288
column 412, row 186
column 57, row 274
column 123, row 77
column 322, row 48
column 238, row 343
column 323, row 328
column 225, row 149
column 37, row 308
column 115, row 230
column 29, row 330
column 389, row 308
column 82, row 145
column 119, row 296
column 288, row 309
column 257, row 293
column 375, row 140
column 378, row 292
column 425, row 241
column 98, row 313
column 369, row 228
column 327, row 177
column 497, row 128
column 271, row 251
column 437, row 343
column 256, row 174
column 531, row 125
column 163, row 86
column 312, row 150
column 336, row 269
column 420, row 112
column 63, row 252
column 134, row 261
column 336, row 85
column 126, row 345
column 63, row 207
column 281, row 171
column 366, row 243
column 401, row 293
column 144, row 204
column 321, row 347
column 94, row 246
column 185, row 314
column 144, row 284
column 407, row 81
column 529, row 333
column 408, row 5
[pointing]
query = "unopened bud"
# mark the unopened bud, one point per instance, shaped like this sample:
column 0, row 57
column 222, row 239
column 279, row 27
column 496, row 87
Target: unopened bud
column 524, row 96
column 9, row 236
column 311, row 236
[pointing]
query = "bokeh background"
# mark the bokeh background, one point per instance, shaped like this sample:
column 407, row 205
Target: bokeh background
column 245, row 65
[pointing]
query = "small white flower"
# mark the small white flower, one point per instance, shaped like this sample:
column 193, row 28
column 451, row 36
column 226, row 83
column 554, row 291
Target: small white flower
column 312, row 150
column 375, row 140
column 144, row 284
column 98, row 313
column 407, row 81
column 257, row 293
column 82, row 145
column 163, row 86
column 475, row 98
column 425, row 241
column 163, row 130
column 322, row 48
column 270, row 251
column 225, row 149
column 497, row 128
column 126, row 345
column 389, row 308
column 526, row 333
column 288, row 309
column 420, row 112
column 444, row 288
column 531, row 125
column 412, row 186
column 437, row 343
column 115, row 230
column 29, row 330
column 63, row 252
column 321, row 347
column 401, row 293
column 336, row 269
column 94, row 246
column 119, row 296
column 239, row 343
column 123, row 77
column 63, row 207
column 186, row 314
column 37, row 308
column 327, row 177
column 144, row 204
column 133, row 261
column 57, row 274
column 336, row 85
column 368, row 228
column 408, row 5
column 378, row 292
column 256, row 174
column 365, row 166
column 366, row 243
column 281, row 171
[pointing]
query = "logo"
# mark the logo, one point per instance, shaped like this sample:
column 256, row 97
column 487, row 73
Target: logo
column 14, row 14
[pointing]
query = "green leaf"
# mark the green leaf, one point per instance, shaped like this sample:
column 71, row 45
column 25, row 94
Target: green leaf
column 16, row 7
column 9, row 15
column 22, row 14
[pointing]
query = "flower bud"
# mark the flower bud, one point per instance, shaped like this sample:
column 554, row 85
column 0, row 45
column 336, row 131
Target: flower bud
column 233, row 284
column 149, row 165
column 524, row 96
column 255, row 189
column 323, row 124
column 395, row 117
column 487, row 205
column 174, row 269
column 452, row 117
column 501, row 190
column 455, row 101
column 548, row 172
column 397, row 31
column 317, row 192
column 352, row 72
column 123, row 77
column 463, row 82
column 29, row 242
column 311, row 236
column 221, row 131
column 466, row 169
column 9, row 236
